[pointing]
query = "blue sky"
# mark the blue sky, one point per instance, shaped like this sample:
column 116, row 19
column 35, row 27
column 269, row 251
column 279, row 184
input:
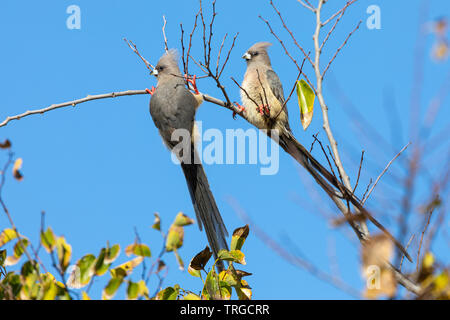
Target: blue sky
column 100, row 169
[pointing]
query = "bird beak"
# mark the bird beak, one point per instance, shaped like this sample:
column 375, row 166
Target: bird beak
column 246, row 56
column 154, row 73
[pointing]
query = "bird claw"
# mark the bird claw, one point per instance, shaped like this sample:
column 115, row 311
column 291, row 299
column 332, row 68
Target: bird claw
column 241, row 109
column 193, row 82
column 152, row 91
column 264, row 110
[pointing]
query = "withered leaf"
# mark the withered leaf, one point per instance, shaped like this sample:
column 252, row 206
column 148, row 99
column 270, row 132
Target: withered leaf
column 5, row 145
column 201, row 259
column 16, row 173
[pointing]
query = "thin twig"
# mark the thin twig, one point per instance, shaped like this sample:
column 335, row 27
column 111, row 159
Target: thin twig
column 421, row 239
column 383, row 172
column 135, row 50
column 406, row 248
column 166, row 47
column 307, row 6
column 291, row 34
column 359, row 171
column 72, row 103
column 287, row 52
column 340, row 48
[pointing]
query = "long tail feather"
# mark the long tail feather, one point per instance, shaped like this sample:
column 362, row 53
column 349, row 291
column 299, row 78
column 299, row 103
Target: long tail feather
column 318, row 172
column 208, row 215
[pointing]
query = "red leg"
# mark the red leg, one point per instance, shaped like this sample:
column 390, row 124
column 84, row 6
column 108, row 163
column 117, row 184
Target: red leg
column 241, row 109
column 152, row 91
column 193, row 82
column 260, row 109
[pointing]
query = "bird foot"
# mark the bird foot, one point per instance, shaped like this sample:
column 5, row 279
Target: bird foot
column 193, row 82
column 264, row 110
column 152, row 91
column 241, row 109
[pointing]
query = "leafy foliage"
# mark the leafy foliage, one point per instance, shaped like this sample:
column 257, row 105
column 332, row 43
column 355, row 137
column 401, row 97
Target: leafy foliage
column 32, row 283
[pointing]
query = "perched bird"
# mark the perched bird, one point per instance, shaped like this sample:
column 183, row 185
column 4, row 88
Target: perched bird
column 172, row 107
column 264, row 106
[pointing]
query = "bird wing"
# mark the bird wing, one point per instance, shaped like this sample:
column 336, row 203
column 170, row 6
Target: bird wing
column 172, row 109
column 275, row 85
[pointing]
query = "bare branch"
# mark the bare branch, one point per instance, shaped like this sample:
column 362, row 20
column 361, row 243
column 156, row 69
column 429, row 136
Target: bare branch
column 359, row 171
column 340, row 13
column 135, row 50
column 287, row 52
column 291, row 34
column 72, row 103
column 166, row 48
column 421, row 239
column 307, row 6
column 383, row 172
column 340, row 48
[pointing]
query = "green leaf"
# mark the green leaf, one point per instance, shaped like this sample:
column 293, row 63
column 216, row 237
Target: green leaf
column 306, row 98
column 29, row 274
column 127, row 267
column 238, row 238
column 169, row 293
column 215, row 289
column 228, row 277
column 132, row 290
column 193, row 272
column 48, row 240
column 182, row 220
column 101, row 267
column 143, row 290
column 19, row 249
column 232, row 255
column 138, row 250
column 2, row 257
column 174, row 237
column 112, row 253
column 157, row 222
column 191, row 296
column 50, row 290
column 244, row 291
column 112, row 287
column 233, row 277
column 179, row 260
column 86, row 269
column 6, row 236
column 64, row 251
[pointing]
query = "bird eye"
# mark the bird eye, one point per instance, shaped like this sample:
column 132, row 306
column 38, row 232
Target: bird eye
column 255, row 53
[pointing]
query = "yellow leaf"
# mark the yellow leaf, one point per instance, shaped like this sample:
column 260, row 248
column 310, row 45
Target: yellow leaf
column 127, row 266
column 6, row 236
column 17, row 165
column 306, row 99
column 440, row 50
column 84, row 296
column 64, row 251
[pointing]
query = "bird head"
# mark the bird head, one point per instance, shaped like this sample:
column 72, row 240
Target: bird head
column 258, row 53
column 167, row 66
